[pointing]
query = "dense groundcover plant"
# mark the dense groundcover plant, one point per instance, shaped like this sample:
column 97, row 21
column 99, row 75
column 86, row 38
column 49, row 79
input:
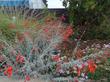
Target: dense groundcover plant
column 42, row 48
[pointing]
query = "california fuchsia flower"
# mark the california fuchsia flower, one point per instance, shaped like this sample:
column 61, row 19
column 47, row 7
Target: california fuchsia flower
column 27, row 78
column 19, row 58
column 91, row 66
column 56, row 58
column 8, row 71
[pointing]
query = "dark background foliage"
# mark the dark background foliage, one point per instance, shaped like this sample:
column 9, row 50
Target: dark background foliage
column 90, row 15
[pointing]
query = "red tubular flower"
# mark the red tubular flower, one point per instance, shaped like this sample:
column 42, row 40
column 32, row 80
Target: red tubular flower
column 92, row 66
column 78, row 71
column 56, row 58
column 19, row 58
column 27, row 78
column 8, row 71
column 76, row 79
column 68, row 32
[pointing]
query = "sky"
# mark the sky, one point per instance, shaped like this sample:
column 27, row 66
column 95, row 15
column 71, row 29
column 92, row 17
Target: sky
column 55, row 4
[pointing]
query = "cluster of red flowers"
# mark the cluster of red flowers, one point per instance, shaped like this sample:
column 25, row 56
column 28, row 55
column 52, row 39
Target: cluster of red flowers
column 92, row 66
column 19, row 58
column 67, row 33
column 9, row 71
column 56, row 58
column 27, row 78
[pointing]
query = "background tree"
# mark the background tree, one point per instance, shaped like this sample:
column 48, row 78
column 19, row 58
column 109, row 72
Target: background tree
column 89, row 14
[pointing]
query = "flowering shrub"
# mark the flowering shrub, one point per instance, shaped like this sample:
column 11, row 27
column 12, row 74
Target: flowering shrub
column 41, row 56
column 32, row 56
column 38, row 53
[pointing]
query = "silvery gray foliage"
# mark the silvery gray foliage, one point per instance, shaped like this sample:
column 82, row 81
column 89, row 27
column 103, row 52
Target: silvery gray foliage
column 36, row 52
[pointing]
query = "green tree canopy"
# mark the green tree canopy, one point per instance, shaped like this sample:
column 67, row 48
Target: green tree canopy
column 87, row 13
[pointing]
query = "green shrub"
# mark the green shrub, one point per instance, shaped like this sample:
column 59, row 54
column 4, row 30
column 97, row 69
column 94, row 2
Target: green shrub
column 89, row 14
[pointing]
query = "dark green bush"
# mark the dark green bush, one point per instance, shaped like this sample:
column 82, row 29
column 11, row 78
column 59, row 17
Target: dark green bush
column 89, row 15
